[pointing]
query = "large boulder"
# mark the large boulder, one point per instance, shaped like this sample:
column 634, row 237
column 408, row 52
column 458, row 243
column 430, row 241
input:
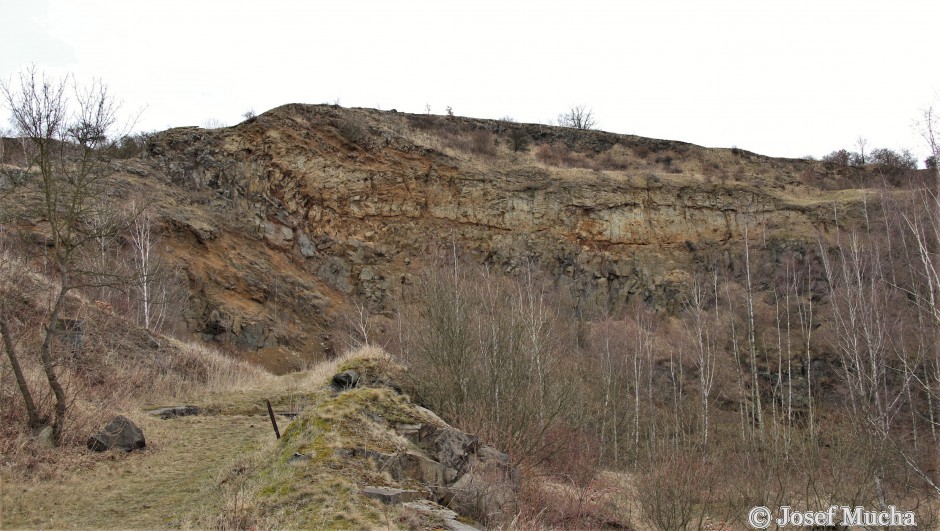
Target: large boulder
column 120, row 433
column 451, row 447
column 484, row 493
column 414, row 466
column 391, row 495
column 345, row 380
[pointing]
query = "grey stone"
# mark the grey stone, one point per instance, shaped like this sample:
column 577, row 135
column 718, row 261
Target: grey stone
column 410, row 466
column 175, row 411
column 277, row 234
column 345, row 380
column 306, row 246
column 335, row 273
column 446, row 516
column 391, row 496
column 409, row 431
column 119, row 433
column 451, row 447
column 414, row 466
column 483, row 495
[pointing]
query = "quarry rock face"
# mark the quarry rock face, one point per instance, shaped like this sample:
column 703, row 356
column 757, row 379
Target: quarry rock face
column 318, row 216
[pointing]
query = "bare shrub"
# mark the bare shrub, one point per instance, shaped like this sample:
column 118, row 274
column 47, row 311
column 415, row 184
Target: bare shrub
column 558, row 154
column 131, row 145
column 550, row 502
column 641, row 151
column 553, row 154
column 486, row 352
column 578, row 117
column 518, row 139
column 478, row 142
column 675, row 490
column 354, row 132
column 617, row 157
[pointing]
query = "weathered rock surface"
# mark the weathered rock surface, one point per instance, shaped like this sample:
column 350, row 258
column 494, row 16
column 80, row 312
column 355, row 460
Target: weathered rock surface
column 390, row 495
column 450, row 446
column 411, row 466
column 484, row 493
column 118, row 433
column 345, row 380
column 286, row 219
column 409, row 447
column 446, row 516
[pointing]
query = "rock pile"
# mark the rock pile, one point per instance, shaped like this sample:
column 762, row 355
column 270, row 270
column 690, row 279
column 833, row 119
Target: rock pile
column 451, row 466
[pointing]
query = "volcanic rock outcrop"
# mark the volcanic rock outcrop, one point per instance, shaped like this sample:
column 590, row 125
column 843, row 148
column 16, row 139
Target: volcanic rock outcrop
column 296, row 212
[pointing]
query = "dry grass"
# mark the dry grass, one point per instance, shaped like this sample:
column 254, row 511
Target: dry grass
column 204, row 471
column 322, row 492
column 629, row 159
column 177, row 474
column 322, row 371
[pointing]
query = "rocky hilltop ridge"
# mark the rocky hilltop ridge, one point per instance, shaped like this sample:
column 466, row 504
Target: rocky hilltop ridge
column 350, row 202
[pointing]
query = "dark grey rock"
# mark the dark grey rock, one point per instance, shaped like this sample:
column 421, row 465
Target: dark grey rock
column 119, row 433
column 345, row 380
column 451, row 447
column 306, row 246
column 175, row 411
column 335, row 272
column 416, row 467
column 391, row 496
column 484, row 496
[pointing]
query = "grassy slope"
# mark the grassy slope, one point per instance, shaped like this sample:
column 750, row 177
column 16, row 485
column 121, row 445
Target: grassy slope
column 224, row 467
column 178, row 475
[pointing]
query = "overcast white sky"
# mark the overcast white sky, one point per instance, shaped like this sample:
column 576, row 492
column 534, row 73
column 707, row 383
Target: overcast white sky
column 785, row 78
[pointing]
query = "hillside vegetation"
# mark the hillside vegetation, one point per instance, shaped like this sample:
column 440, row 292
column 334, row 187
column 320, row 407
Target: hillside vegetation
column 655, row 334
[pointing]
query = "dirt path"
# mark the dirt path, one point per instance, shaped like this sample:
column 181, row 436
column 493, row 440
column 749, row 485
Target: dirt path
column 176, row 476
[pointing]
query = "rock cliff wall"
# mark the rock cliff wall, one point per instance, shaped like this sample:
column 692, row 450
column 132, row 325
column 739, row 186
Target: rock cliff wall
column 349, row 203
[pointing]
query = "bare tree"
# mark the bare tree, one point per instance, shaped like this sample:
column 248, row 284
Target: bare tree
column 153, row 280
column 862, row 143
column 213, row 123
column 66, row 127
column 578, row 117
column 7, row 265
column 758, row 418
column 929, row 128
column 702, row 328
